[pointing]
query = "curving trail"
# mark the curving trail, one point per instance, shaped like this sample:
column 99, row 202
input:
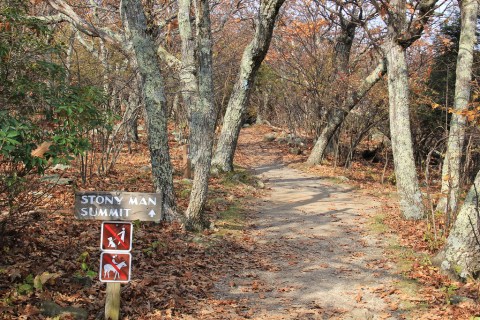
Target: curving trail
column 315, row 258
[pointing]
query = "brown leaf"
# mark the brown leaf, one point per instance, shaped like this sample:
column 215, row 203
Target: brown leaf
column 41, row 149
column 393, row 306
column 359, row 296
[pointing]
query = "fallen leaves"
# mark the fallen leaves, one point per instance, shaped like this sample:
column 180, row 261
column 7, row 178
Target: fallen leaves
column 393, row 306
column 55, row 258
column 175, row 278
column 359, row 296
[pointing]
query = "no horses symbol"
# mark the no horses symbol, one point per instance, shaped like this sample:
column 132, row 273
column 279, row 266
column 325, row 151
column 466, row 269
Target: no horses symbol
column 115, row 267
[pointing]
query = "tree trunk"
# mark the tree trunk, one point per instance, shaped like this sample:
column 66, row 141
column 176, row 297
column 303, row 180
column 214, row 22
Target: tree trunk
column 341, row 113
column 263, row 107
column 253, row 56
column 188, row 78
column 327, row 133
column 155, row 103
column 343, row 45
column 411, row 203
column 202, row 119
column 68, row 60
column 131, row 114
column 461, row 254
column 343, row 48
column 106, row 72
column 453, row 157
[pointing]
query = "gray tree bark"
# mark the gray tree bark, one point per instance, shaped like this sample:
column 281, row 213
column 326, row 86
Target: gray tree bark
column 203, row 117
column 188, row 68
column 461, row 254
column 253, row 56
column 343, row 45
column 132, row 111
column 411, row 203
column 453, row 157
column 155, row 103
column 408, row 188
column 68, row 61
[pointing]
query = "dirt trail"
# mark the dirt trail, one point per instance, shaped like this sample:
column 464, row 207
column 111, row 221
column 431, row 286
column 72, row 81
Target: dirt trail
column 315, row 258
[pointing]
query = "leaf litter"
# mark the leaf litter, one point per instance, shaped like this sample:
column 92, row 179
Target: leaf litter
column 269, row 274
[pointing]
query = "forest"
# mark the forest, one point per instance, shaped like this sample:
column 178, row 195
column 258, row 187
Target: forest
column 267, row 133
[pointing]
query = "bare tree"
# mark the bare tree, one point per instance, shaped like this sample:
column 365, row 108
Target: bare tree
column 135, row 24
column 452, row 163
column 202, row 119
column 252, row 57
column 401, row 33
column 339, row 114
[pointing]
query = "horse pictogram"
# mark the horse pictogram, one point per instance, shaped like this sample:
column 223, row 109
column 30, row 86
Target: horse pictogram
column 109, row 268
column 115, row 267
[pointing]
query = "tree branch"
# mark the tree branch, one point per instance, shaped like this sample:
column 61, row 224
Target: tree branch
column 53, row 19
column 85, row 26
column 68, row 14
column 88, row 46
column 415, row 29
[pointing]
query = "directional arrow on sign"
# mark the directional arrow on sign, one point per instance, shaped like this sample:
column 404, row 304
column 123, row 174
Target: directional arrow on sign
column 152, row 213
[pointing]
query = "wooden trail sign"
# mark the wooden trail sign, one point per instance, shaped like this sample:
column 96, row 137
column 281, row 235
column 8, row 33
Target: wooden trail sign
column 118, row 206
column 116, row 237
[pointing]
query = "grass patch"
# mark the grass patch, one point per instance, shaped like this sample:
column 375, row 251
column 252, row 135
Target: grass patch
column 185, row 193
column 185, row 188
column 231, row 221
column 404, row 260
column 239, row 176
column 412, row 308
column 229, row 198
column 377, row 224
column 408, row 286
column 218, row 201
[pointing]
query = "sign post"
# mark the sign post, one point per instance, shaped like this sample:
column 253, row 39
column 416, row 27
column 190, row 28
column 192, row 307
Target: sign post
column 116, row 235
column 114, row 270
column 112, row 301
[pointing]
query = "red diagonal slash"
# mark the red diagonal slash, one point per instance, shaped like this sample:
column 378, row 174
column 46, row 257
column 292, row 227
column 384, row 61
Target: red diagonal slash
column 110, row 262
column 115, row 235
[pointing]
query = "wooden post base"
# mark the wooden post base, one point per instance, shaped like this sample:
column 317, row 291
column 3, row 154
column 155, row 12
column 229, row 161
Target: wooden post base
column 112, row 301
